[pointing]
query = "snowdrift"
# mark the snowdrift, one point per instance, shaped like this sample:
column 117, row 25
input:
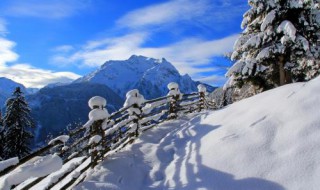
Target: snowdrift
column 266, row 142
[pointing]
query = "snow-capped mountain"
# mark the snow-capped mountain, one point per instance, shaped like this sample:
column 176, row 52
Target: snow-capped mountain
column 7, row 87
column 150, row 76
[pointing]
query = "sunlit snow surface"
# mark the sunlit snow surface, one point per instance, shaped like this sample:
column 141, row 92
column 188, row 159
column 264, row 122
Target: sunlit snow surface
column 267, row 142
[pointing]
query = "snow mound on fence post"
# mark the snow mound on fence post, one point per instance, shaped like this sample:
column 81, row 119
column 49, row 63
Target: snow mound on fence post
column 62, row 138
column 174, row 90
column 97, row 101
column 98, row 112
column 202, row 88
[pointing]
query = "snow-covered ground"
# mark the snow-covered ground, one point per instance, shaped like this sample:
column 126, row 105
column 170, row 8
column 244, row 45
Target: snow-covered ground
column 266, row 142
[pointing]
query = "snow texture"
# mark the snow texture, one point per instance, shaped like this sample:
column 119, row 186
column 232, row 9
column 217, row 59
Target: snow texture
column 98, row 114
column 40, row 166
column 95, row 139
column 288, row 29
column 202, row 88
column 97, row 101
column 150, row 106
column 273, row 145
column 134, row 97
column 268, row 20
column 62, row 138
column 174, row 90
column 7, row 163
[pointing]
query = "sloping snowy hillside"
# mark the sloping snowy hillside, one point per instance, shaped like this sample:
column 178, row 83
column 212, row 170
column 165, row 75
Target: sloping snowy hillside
column 267, row 142
column 149, row 75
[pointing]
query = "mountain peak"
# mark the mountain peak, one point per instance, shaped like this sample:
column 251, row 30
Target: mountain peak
column 150, row 76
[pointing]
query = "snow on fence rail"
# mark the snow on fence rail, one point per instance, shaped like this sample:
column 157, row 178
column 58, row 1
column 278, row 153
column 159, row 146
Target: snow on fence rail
column 102, row 135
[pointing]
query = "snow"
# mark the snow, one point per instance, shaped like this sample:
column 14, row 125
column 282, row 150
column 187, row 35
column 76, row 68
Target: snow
column 149, row 75
column 98, row 114
column 202, row 88
column 268, row 20
column 269, row 141
column 7, row 163
column 134, row 97
column 61, row 138
column 95, row 139
column 40, row 166
column 288, row 29
column 174, row 90
column 97, row 101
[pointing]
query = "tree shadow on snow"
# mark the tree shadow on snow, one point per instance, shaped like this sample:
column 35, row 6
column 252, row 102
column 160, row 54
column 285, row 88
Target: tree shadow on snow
column 184, row 145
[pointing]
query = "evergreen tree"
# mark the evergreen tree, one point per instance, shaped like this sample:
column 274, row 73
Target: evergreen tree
column 279, row 44
column 17, row 125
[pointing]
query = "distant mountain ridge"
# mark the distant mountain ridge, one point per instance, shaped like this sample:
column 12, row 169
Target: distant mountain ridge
column 150, row 76
column 7, row 86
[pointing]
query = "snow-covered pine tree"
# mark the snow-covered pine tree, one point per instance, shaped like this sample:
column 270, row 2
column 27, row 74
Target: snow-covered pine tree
column 279, row 44
column 17, row 124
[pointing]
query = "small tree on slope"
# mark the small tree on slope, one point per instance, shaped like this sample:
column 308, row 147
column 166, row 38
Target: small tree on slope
column 17, row 125
column 279, row 43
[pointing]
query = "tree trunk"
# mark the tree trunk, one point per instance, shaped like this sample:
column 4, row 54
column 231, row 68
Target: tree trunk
column 282, row 75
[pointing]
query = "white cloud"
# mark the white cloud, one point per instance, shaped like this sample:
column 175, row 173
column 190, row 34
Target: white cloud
column 3, row 28
column 6, row 51
column 53, row 9
column 63, row 49
column 35, row 77
column 164, row 13
column 187, row 55
column 24, row 73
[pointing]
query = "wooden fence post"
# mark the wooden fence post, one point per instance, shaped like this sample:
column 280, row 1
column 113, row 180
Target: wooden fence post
column 175, row 95
column 202, row 95
column 134, row 101
column 97, row 116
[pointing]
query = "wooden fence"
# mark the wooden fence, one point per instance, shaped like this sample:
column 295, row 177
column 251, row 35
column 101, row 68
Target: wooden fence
column 92, row 143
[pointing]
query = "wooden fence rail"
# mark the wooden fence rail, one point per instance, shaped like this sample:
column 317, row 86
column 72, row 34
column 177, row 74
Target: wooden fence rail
column 103, row 136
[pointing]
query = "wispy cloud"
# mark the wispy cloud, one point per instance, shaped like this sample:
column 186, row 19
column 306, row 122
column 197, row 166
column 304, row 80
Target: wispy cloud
column 165, row 13
column 6, row 51
column 35, row 77
column 3, row 28
column 187, row 55
column 204, row 13
column 53, row 9
column 192, row 54
column 25, row 73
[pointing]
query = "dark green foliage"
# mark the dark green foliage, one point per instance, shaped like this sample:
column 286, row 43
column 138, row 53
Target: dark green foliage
column 17, row 126
column 279, row 43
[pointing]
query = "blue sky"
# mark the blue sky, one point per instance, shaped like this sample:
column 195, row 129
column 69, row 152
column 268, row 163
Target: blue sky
column 45, row 41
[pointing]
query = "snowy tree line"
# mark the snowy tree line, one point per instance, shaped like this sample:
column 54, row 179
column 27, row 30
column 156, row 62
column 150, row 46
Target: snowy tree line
column 16, row 127
column 279, row 45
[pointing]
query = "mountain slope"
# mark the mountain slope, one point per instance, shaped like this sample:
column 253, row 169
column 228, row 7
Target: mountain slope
column 56, row 107
column 149, row 75
column 7, row 87
column 269, row 141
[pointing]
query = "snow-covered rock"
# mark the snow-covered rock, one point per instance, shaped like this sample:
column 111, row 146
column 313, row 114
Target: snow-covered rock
column 268, row 141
